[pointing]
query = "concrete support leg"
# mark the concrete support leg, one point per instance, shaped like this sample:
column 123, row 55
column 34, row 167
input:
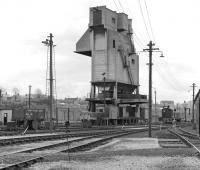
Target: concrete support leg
column 93, row 107
column 115, row 91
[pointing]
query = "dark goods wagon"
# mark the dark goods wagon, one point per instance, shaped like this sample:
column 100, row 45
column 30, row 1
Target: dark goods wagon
column 28, row 117
column 34, row 118
column 18, row 116
column 167, row 115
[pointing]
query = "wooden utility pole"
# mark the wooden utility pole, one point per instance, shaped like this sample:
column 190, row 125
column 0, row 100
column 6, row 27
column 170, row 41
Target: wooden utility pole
column 29, row 97
column 68, row 114
column 150, row 50
column 51, row 80
column 150, row 85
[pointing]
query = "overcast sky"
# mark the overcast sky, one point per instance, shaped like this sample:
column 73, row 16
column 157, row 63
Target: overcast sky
column 25, row 23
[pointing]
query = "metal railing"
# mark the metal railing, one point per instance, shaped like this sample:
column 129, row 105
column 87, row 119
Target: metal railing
column 121, row 96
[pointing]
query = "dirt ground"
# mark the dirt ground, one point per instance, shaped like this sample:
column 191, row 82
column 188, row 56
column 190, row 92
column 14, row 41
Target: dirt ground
column 133, row 152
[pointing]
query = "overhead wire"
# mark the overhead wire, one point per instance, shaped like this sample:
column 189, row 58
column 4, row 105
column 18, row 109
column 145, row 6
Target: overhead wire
column 167, row 76
column 141, row 11
column 163, row 76
column 121, row 5
column 139, row 43
column 149, row 22
column 136, row 37
column 138, row 34
column 116, row 5
column 170, row 76
column 153, row 36
column 168, row 70
column 134, row 32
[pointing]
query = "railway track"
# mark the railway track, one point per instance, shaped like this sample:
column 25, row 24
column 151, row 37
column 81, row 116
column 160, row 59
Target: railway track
column 21, row 139
column 190, row 139
column 63, row 129
column 18, row 160
column 36, row 138
column 186, row 133
column 54, row 144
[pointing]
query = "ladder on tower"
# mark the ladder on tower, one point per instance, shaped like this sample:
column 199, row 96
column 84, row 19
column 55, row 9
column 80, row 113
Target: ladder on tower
column 126, row 64
column 54, row 79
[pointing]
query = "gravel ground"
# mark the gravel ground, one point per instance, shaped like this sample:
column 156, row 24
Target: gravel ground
column 133, row 152
column 13, row 158
column 190, row 129
column 13, row 148
column 140, row 159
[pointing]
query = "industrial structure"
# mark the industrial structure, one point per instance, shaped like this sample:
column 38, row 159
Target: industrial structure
column 115, row 66
column 51, row 78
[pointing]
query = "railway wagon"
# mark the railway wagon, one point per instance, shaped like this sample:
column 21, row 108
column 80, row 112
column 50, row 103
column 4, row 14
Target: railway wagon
column 28, row 117
column 177, row 116
column 34, row 118
column 167, row 115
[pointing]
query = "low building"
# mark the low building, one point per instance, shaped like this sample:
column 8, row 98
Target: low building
column 184, row 110
column 156, row 112
column 5, row 116
column 69, row 112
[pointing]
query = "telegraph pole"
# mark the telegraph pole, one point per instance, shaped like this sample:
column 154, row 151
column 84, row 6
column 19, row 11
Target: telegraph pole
column 49, row 43
column 150, row 50
column 51, row 81
column 29, row 97
column 68, row 114
column 150, row 85
column 193, row 87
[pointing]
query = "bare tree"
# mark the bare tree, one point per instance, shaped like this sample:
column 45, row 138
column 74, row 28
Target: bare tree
column 15, row 91
column 3, row 90
column 38, row 92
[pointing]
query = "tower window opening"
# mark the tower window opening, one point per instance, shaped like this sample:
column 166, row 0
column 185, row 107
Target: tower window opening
column 133, row 61
column 113, row 43
column 113, row 20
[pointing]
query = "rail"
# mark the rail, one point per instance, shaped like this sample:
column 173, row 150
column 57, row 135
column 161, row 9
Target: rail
column 28, row 162
column 19, row 140
column 185, row 140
